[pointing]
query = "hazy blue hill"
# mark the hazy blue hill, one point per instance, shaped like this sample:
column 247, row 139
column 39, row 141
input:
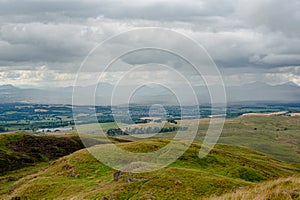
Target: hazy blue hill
column 257, row 91
column 8, row 87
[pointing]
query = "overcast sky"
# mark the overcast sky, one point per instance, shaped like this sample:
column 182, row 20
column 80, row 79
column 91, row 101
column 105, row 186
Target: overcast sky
column 42, row 43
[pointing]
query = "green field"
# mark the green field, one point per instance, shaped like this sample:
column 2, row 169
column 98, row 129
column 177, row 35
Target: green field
column 276, row 136
column 95, row 127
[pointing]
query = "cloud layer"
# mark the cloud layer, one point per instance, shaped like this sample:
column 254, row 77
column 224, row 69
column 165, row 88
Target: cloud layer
column 44, row 42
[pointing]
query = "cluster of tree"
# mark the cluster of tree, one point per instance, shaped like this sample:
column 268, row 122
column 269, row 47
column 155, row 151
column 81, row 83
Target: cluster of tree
column 142, row 121
column 115, row 131
column 154, row 130
column 171, row 120
column 3, row 129
column 122, row 119
column 147, row 130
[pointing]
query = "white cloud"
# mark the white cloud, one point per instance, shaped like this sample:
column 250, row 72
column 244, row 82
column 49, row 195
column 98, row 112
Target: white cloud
column 41, row 76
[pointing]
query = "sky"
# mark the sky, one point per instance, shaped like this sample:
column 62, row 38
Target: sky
column 43, row 43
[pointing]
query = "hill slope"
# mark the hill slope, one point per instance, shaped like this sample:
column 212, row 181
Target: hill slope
column 80, row 176
column 22, row 150
column 277, row 136
column 283, row 188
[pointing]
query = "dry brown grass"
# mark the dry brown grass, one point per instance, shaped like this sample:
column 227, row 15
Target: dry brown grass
column 280, row 189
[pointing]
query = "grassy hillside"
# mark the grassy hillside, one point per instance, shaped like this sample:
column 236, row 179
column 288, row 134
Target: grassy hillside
column 276, row 136
column 273, row 135
column 80, row 176
column 280, row 189
column 9, row 178
column 22, row 150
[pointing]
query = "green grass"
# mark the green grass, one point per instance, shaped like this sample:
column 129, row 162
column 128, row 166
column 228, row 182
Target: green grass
column 96, row 126
column 22, row 150
column 7, row 180
column 224, row 170
column 276, row 136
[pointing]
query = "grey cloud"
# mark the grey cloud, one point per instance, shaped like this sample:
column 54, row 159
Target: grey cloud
column 59, row 38
column 155, row 56
column 281, row 60
column 276, row 15
column 250, row 48
column 243, row 37
column 131, row 9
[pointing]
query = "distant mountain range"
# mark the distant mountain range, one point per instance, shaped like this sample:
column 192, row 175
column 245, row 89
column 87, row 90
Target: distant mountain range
column 258, row 91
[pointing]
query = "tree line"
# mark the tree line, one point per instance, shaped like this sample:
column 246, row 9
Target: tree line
column 148, row 130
